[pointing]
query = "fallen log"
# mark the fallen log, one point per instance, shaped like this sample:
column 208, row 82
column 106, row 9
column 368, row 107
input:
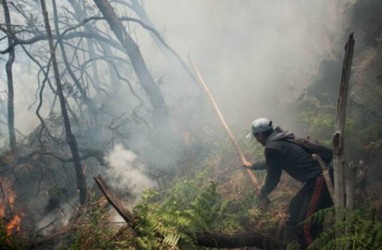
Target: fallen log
column 243, row 239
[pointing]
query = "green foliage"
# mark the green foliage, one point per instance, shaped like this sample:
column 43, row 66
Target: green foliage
column 318, row 119
column 165, row 221
column 94, row 231
column 168, row 220
column 361, row 127
column 358, row 230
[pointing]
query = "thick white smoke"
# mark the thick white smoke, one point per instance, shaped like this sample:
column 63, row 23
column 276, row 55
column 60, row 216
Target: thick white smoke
column 253, row 54
column 126, row 172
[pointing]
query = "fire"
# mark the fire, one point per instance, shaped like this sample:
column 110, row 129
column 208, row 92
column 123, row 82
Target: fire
column 14, row 224
column 7, row 203
column 11, row 198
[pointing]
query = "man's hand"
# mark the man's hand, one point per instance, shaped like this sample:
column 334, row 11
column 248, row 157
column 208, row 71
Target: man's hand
column 264, row 201
column 247, row 164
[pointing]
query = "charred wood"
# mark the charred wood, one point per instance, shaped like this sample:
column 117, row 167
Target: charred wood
column 338, row 139
column 115, row 202
column 243, row 239
column 8, row 68
column 70, row 138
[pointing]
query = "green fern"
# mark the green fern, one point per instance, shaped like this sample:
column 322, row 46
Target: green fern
column 357, row 231
column 165, row 221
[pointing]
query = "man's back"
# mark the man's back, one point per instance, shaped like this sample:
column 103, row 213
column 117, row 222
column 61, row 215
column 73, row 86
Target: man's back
column 292, row 158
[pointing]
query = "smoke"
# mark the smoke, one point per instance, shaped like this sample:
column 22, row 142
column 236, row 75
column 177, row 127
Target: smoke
column 254, row 55
column 126, row 172
column 48, row 223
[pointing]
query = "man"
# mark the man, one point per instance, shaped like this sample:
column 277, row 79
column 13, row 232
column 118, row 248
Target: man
column 282, row 153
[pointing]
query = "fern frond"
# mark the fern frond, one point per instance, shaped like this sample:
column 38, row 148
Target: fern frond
column 356, row 231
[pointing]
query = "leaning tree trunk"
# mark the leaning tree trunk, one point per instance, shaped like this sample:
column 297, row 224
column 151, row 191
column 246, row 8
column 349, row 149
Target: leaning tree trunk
column 338, row 140
column 138, row 8
column 160, row 112
column 81, row 182
column 8, row 68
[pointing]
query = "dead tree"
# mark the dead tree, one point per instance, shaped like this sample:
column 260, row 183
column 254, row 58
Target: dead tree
column 350, row 183
column 139, row 9
column 160, row 112
column 81, row 13
column 87, row 100
column 80, row 177
column 338, row 140
column 8, row 68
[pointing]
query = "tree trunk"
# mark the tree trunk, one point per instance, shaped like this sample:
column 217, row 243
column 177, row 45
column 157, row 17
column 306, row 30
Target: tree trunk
column 138, row 8
column 160, row 112
column 350, row 173
column 8, row 68
column 87, row 100
column 81, row 181
column 338, row 139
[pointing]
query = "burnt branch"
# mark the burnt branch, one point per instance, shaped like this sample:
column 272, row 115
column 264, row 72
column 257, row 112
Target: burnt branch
column 115, row 202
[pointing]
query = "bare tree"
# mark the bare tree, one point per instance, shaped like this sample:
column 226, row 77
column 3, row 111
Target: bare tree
column 8, row 67
column 338, row 140
column 81, row 182
column 160, row 112
column 87, row 100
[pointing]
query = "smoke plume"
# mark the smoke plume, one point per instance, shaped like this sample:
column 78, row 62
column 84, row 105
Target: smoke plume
column 126, row 172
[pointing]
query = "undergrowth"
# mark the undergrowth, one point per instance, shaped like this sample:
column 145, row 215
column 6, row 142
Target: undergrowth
column 170, row 219
column 358, row 230
column 10, row 242
column 95, row 229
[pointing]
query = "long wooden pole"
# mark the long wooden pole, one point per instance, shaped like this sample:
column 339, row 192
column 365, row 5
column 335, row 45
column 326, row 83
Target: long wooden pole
column 225, row 125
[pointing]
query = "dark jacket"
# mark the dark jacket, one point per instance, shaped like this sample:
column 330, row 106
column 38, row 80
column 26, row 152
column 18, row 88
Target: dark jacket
column 283, row 155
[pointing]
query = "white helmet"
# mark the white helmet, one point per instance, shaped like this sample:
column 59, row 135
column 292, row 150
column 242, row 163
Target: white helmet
column 260, row 125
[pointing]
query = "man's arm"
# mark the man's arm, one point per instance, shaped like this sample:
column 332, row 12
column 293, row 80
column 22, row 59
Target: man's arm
column 261, row 165
column 274, row 162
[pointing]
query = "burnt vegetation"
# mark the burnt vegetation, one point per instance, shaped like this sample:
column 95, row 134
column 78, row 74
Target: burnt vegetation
column 118, row 161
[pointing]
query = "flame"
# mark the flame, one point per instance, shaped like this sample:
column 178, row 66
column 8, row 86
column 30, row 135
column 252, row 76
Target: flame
column 11, row 198
column 14, row 225
column 7, row 201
